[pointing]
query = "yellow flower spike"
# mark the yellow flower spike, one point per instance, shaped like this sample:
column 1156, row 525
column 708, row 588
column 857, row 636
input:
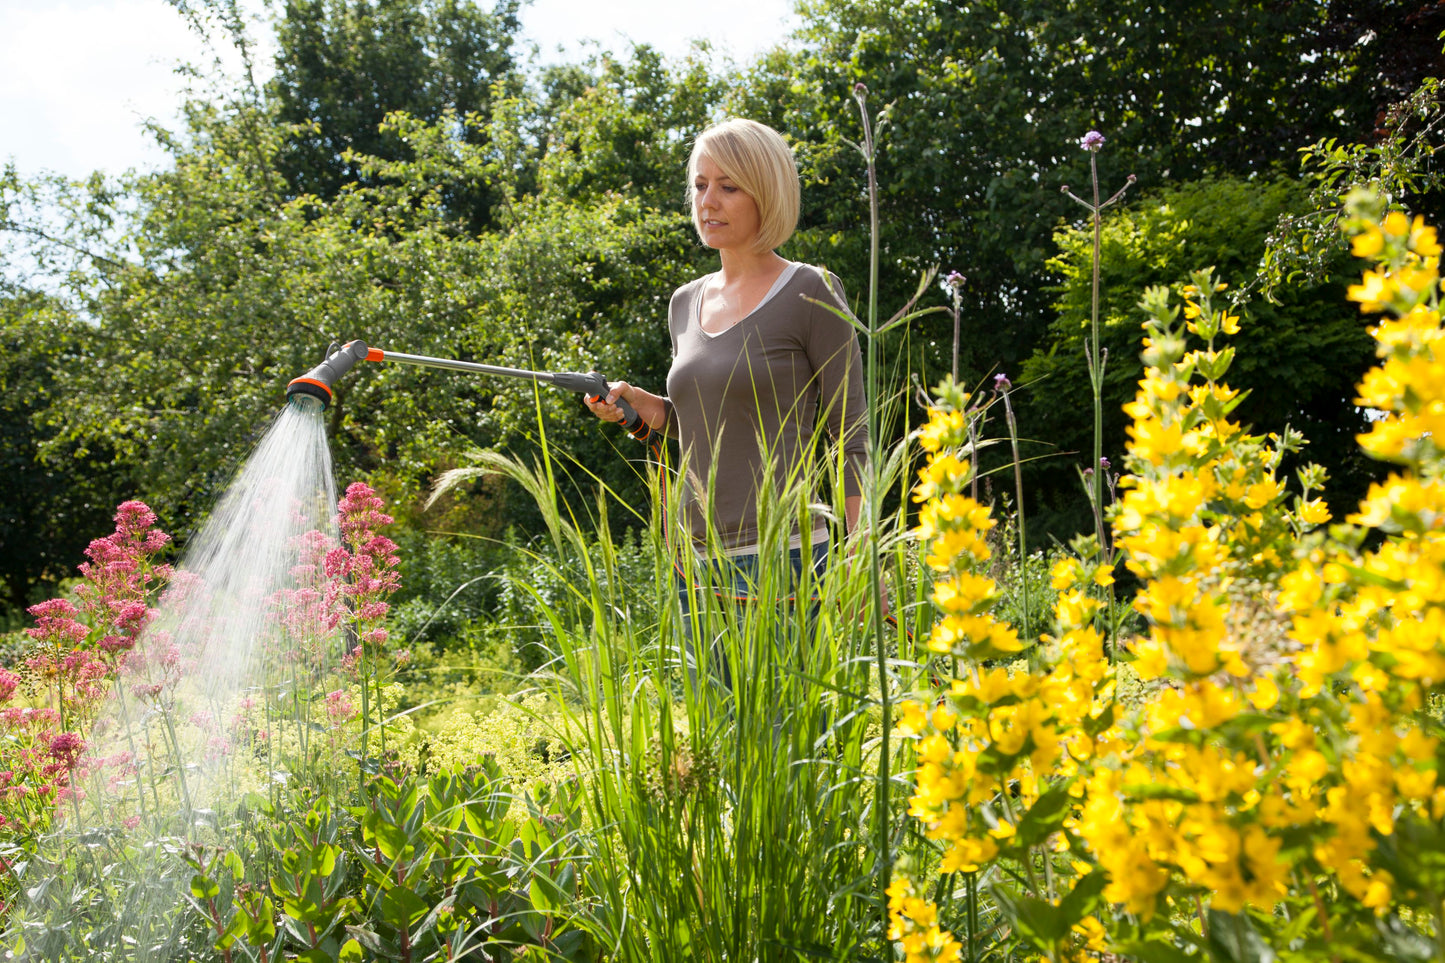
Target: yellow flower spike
column 1094, row 936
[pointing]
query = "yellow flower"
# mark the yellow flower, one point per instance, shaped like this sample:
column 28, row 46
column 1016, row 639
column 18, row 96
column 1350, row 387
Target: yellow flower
column 1368, row 243
column 1262, row 492
column 944, row 429
column 967, row 855
column 1265, row 694
column 1314, row 511
column 1374, row 294
column 1422, row 239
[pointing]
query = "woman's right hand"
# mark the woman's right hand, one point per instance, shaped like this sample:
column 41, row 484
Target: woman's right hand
column 604, row 408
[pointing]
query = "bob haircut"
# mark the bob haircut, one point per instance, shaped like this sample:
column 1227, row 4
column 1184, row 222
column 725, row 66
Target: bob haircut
column 760, row 162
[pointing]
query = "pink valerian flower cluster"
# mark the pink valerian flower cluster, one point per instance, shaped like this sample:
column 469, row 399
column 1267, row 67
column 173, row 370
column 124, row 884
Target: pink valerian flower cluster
column 363, row 569
column 306, row 614
column 37, row 763
column 78, row 650
column 339, row 707
column 121, row 576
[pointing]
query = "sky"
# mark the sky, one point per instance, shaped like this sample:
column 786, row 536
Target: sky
column 78, row 78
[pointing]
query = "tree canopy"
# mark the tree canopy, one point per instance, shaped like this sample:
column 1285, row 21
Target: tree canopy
column 407, row 179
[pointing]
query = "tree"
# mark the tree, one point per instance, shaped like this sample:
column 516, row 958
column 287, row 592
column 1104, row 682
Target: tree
column 342, row 66
column 51, row 505
column 986, row 105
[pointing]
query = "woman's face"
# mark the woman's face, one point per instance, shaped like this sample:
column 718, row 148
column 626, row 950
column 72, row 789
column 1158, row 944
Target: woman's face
column 726, row 217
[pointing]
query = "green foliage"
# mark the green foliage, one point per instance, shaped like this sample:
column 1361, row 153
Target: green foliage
column 415, row 868
column 987, row 102
column 525, row 734
column 1298, row 357
column 1397, row 162
column 711, row 798
column 49, row 503
column 343, row 66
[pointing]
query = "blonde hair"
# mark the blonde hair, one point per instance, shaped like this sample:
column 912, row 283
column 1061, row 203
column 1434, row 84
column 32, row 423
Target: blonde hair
column 757, row 159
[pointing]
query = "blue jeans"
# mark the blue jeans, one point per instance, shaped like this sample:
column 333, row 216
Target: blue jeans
column 734, row 578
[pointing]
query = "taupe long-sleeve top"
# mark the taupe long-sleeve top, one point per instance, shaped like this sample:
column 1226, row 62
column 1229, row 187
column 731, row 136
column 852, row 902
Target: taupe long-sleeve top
column 765, row 383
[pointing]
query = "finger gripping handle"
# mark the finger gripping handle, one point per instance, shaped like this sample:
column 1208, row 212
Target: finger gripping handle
column 593, row 385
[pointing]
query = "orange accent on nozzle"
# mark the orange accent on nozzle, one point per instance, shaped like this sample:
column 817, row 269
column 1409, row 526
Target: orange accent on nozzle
column 375, row 354
column 310, row 381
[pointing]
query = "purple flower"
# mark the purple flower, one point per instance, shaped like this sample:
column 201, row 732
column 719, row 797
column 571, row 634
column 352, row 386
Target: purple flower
column 1001, row 382
column 1093, row 140
column 954, row 280
column 1104, row 464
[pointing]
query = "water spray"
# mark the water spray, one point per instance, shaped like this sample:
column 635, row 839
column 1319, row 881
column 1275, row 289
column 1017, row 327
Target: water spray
column 318, row 382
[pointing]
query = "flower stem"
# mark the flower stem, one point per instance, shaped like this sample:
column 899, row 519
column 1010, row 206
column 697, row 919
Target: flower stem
column 870, row 507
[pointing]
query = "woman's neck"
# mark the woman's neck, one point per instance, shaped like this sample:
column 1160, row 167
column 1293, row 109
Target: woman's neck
column 739, row 267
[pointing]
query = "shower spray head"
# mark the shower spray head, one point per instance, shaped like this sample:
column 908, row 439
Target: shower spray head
column 318, row 381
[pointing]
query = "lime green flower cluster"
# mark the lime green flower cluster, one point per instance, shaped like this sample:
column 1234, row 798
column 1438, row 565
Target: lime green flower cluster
column 1280, row 782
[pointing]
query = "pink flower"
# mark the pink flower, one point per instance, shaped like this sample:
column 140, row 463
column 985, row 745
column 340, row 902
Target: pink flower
column 116, row 644
column 8, row 681
column 339, row 707
column 55, row 624
column 133, row 517
column 337, row 563
column 372, row 611
column 65, row 748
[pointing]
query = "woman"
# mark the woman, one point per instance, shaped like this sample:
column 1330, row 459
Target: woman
column 757, row 364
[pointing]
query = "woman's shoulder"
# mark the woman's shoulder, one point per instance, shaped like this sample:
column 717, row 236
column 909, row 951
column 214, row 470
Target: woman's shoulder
column 818, row 282
column 687, row 294
column 691, row 288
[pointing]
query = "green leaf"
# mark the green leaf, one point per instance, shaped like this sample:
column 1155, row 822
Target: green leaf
column 204, row 888
column 1041, row 922
column 1085, row 897
column 400, row 904
column 1151, row 951
column 1045, row 816
column 1233, row 938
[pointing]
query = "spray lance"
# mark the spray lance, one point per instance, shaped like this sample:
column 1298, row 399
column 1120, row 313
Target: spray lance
column 317, row 382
